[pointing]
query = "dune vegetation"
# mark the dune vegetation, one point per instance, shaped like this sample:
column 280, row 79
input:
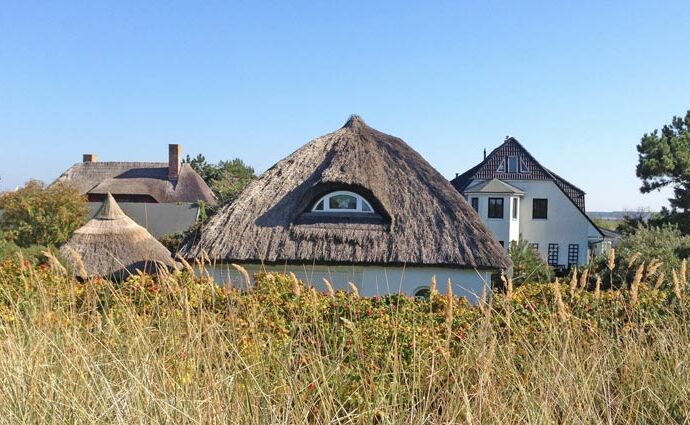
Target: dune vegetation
column 181, row 349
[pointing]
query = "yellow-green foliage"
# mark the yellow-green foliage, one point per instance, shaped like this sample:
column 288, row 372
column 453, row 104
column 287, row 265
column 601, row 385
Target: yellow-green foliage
column 181, row 349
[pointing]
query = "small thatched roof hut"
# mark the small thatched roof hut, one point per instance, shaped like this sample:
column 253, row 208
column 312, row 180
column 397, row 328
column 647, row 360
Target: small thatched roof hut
column 354, row 196
column 112, row 245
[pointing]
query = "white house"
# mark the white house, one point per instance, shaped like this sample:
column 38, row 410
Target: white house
column 355, row 205
column 517, row 197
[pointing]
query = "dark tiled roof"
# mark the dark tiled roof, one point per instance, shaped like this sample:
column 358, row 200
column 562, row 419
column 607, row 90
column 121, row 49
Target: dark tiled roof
column 138, row 178
column 487, row 170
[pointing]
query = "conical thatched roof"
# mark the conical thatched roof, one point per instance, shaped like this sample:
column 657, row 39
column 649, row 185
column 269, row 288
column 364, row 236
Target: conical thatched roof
column 421, row 219
column 113, row 245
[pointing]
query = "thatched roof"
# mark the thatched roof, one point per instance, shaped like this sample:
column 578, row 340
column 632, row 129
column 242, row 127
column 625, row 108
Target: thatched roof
column 420, row 218
column 138, row 178
column 113, row 245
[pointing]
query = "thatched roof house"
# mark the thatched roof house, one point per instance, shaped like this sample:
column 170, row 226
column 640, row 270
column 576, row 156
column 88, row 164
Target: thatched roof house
column 354, row 197
column 155, row 182
column 113, row 245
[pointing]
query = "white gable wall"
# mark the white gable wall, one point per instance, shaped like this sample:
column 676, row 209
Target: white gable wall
column 565, row 224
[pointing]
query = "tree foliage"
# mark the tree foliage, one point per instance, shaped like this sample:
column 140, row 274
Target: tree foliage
column 645, row 243
column 528, row 265
column 664, row 160
column 40, row 215
column 227, row 178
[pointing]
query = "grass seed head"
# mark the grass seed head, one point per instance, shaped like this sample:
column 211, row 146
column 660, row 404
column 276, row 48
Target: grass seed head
column 355, row 291
column 659, row 280
column 449, row 304
column 329, row 288
column 676, row 286
column 612, row 259
column 244, row 273
column 633, row 259
column 433, row 290
column 584, row 277
column 296, row 287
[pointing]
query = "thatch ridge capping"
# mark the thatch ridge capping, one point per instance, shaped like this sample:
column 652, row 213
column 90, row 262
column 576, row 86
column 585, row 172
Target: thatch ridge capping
column 109, row 210
column 354, row 121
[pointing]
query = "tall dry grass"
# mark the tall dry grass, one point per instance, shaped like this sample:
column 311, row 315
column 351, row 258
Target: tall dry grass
column 182, row 350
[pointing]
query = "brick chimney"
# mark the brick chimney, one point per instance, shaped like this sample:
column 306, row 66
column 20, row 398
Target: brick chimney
column 174, row 161
column 89, row 157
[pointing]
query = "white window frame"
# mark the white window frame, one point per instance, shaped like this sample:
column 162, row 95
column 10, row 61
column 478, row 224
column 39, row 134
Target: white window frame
column 361, row 202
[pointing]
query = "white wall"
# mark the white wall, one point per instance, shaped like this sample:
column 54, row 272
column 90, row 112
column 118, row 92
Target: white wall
column 565, row 224
column 502, row 228
column 370, row 280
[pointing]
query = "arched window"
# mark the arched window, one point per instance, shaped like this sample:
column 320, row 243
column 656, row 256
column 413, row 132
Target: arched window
column 423, row 292
column 343, row 201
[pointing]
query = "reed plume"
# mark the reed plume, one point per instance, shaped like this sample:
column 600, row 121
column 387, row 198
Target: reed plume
column 355, row 291
column 329, row 288
column 597, row 288
column 562, row 311
column 676, row 286
column 584, row 279
column 433, row 290
column 633, row 259
column 296, row 287
column 54, row 263
column 634, row 286
column 659, row 280
column 244, row 273
column 449, row 306
column 612, row 259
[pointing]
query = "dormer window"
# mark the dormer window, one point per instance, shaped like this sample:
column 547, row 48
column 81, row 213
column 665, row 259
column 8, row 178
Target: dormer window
column 343, row 201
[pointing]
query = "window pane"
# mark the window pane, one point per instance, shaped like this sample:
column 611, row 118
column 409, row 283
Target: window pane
column 475, row 204
column 495, row 207
column 553, row 254
column 515, row 208
column 423, row 293
column 573, row 254
column 342, row 202
column 319, row 206
column 540, row 208
column 365, row 206
column 512, row 164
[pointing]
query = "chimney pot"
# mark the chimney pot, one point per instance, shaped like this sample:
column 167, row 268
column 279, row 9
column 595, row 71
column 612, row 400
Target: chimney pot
column 89, row 157
column 174, row 161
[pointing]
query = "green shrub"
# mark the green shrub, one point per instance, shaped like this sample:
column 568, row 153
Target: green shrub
column 39, row 215
column 528, row 265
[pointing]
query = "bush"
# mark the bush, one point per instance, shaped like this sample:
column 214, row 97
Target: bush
column 528, row 265
column 664, row 243
column 39, row 215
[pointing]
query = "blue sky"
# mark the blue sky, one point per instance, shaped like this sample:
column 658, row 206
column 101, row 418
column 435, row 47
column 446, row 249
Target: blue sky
column 578, row 83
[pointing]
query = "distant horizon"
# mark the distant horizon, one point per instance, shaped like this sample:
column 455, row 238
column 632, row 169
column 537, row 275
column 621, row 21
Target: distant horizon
column 577, row 84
